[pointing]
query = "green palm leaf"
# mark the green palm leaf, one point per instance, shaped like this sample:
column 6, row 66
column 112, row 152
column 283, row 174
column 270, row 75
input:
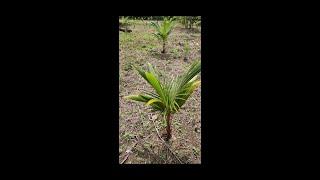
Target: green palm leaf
column 169, row 96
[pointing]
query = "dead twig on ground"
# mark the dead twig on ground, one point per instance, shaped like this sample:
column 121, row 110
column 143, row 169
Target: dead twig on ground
column 129, row 151
column 163, row 142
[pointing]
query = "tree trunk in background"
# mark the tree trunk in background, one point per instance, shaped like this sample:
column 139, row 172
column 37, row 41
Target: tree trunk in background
column 168, row 127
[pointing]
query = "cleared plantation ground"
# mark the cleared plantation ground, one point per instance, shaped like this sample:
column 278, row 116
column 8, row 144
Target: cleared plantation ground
column 135, row 119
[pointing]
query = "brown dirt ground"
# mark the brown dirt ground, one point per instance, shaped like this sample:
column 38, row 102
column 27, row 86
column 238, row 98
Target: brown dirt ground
column 139, row 47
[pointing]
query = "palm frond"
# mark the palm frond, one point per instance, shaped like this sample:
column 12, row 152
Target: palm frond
column 169, row 96
column 163, row 30
column 139, row 97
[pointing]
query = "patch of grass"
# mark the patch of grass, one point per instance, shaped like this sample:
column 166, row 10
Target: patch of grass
column 163, row 123
column 148, row 37
column 177, row 126
column 120, row 150
column 196, row 151
column 126, row 37
column 145, row 124
column 148, row 47
column 127, row 66
column 186, row 50
column 149, row 145
column 175, row 52
column 128, row 136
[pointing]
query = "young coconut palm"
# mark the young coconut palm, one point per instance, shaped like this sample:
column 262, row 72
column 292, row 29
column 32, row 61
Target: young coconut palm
column 169, row 96
column 163, row 31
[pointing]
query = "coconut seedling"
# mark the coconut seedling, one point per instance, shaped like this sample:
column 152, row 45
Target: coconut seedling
column 163, row 31
column 169, row 95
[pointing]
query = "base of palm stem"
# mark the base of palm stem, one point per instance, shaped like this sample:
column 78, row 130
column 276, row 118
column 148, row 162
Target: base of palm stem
column 168, row 128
